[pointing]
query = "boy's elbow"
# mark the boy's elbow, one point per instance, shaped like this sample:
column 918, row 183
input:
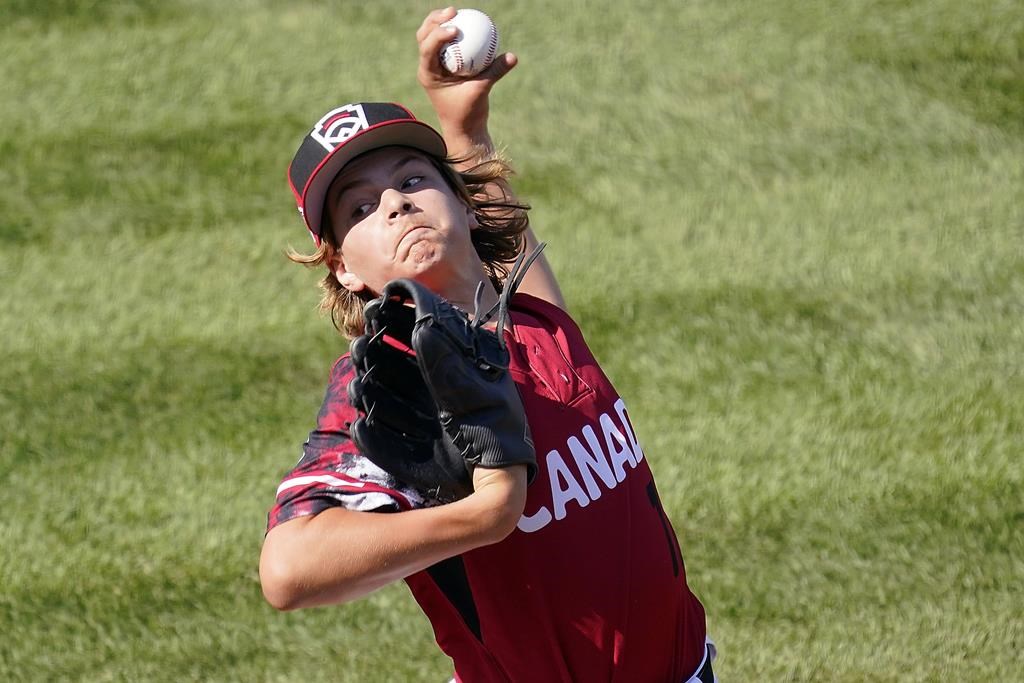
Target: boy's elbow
column 279, row 583
column 283, row 574
column 294, row 571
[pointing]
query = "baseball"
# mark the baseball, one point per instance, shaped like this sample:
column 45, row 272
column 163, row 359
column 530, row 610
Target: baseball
column 475, row 44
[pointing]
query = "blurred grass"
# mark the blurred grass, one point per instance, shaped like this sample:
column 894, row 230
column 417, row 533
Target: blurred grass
column 792, row 233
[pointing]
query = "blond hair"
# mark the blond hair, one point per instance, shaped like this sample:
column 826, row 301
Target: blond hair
column 502, row 221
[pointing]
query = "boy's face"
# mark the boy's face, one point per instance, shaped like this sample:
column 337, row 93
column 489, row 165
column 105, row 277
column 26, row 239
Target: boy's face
column 394, row 215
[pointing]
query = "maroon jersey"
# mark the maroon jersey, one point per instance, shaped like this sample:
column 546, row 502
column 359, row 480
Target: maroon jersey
column 591, row 585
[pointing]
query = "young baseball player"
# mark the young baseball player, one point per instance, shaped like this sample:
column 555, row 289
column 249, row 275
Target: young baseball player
column 557, row 562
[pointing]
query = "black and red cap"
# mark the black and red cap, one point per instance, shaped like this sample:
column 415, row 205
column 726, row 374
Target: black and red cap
column 341, row 135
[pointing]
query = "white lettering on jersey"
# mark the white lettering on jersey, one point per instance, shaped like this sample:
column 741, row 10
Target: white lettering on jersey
column 558, row 472
column 535, row 522
column 591, row 462
column 620, row 410
column 619, row 455
column 608, row 463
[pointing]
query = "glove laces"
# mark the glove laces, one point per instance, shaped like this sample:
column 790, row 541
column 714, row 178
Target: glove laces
column 512, row 282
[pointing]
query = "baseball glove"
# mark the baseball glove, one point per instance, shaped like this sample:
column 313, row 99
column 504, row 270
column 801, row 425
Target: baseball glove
column 433, row 391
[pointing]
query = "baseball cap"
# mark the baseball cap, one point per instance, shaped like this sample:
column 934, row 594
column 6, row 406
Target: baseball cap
column 342, row 134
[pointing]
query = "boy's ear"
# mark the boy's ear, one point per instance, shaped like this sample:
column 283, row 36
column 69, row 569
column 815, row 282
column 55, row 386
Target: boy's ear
column 471, row 214
column 348, row 280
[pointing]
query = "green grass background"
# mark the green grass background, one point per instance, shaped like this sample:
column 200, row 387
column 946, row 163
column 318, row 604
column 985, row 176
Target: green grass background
column 793, row 233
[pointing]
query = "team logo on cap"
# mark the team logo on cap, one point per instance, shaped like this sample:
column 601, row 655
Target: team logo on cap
column 338, row 125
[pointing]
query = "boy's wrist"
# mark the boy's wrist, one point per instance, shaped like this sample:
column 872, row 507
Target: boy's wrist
column 498, row 500
column 467, row 140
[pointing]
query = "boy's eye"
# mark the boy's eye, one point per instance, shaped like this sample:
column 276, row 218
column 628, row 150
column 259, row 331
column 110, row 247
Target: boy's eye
column 411, row 181
column 361, row 210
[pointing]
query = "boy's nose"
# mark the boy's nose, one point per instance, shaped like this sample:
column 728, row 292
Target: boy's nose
column 396, row 204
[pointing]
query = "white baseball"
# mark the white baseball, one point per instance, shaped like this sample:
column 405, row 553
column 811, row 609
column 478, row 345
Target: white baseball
column 475, row 44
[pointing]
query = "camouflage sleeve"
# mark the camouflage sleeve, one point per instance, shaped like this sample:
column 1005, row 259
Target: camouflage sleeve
column 332, row 472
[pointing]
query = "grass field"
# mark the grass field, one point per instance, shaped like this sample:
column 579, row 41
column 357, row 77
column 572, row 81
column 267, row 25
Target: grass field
column 792, row 232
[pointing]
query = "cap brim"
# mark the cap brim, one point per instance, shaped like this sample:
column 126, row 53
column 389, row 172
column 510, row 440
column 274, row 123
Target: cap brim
column 408, row 133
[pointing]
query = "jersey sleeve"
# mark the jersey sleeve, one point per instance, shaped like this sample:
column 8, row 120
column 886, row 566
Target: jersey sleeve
column 332, row 472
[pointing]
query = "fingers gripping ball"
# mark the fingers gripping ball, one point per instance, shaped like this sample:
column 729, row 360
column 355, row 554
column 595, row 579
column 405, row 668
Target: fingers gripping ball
column 434, row 394
column 475, row 44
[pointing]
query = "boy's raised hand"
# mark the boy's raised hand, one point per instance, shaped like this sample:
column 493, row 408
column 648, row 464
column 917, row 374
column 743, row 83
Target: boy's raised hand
column 461, row 104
